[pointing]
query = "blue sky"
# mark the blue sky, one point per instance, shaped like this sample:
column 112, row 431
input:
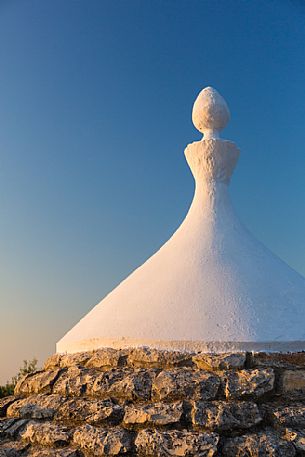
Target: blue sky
column 95, row 112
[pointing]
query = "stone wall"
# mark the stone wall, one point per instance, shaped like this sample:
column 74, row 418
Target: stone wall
column 142, row 402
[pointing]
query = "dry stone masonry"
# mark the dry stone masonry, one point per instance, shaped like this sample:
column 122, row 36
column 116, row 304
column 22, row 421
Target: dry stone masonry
column 178, row 364
column 149, row 402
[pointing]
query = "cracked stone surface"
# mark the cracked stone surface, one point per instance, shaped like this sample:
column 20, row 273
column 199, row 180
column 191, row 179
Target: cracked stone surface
column 46, row 434
column 179, row 383
column 176, row 443
column 246, row 383
column 35, row 407
column 153, row 414
column 102, row 442
column 262, row 444
column 220, row 361
column 287, row 416
column 91, row 411
column 222, row 416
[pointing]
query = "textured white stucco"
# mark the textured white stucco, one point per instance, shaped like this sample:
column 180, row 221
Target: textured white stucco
column 212, row 286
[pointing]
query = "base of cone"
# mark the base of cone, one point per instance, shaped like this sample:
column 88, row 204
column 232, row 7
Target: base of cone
column 187, row 346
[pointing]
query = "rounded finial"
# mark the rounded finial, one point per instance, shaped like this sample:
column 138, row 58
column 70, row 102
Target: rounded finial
column 210, row 113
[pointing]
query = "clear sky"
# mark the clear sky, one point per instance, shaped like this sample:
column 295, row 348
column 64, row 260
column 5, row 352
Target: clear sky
column 95, row 112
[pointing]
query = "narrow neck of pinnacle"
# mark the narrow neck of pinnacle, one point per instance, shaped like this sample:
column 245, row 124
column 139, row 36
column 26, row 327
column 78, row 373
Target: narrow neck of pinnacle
column 209, row 134
column 210, row 195
column 211, row 207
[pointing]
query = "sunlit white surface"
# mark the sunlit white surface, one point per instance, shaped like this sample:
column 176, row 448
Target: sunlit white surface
column 212, row 286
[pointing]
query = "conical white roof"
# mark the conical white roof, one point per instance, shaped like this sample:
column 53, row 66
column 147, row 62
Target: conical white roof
column 212, row 286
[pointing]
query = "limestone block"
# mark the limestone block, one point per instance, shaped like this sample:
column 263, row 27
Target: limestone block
column 5, row 403
column 152, row 443
column 105, row 359
column 52, row 362
column 224, row 416
column 297, row 438
column 101, row 442
column 46, row 434
column 144, row 357
column 35, row 407
column 220, row 361
column 11, row 428
column 277, row 359
column 154, row 414
column 89, row 411
column 5, row 424
column 74, row 381
column 38, row 382
column 261, row 444
column 124, row 384
column 287, row 416
column 249, row 383
column 293, row 381
column 121, row 384
column 183, row 383
column 67, row 360
column 63, row 452
column 13, row 449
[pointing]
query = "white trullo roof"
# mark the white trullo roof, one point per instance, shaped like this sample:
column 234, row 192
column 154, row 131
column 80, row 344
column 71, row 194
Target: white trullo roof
column 212, row 286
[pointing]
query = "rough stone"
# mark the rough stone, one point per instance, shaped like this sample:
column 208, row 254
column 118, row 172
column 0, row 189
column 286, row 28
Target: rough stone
column 89, row 411
column 5, row 424
column 13, row 449
column 67, row 360
column 46, row 434
column 223, row 416
column 144, row 357
column 5, row 403
column 287, row 416
column 74, row 381
column 35, row 407
column 118, row 384
column 176, row 443
column 38, row 382
column 52, row 362
column 154, row 414
column 293, row 382
column 297, row 438
column 262, row 444
column 277, row 360
column 124, row 384
column 11, row 428
column 182, row 383
column 220, row 361
column 64, row 452
column 105, row 359
column 249, row 383
column 101, row 442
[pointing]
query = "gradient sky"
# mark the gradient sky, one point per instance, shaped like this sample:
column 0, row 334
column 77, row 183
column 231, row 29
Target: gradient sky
column 95, row 112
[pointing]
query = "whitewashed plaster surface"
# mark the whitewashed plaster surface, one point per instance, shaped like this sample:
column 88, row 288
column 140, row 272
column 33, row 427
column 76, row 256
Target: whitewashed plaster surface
column 212, row 286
